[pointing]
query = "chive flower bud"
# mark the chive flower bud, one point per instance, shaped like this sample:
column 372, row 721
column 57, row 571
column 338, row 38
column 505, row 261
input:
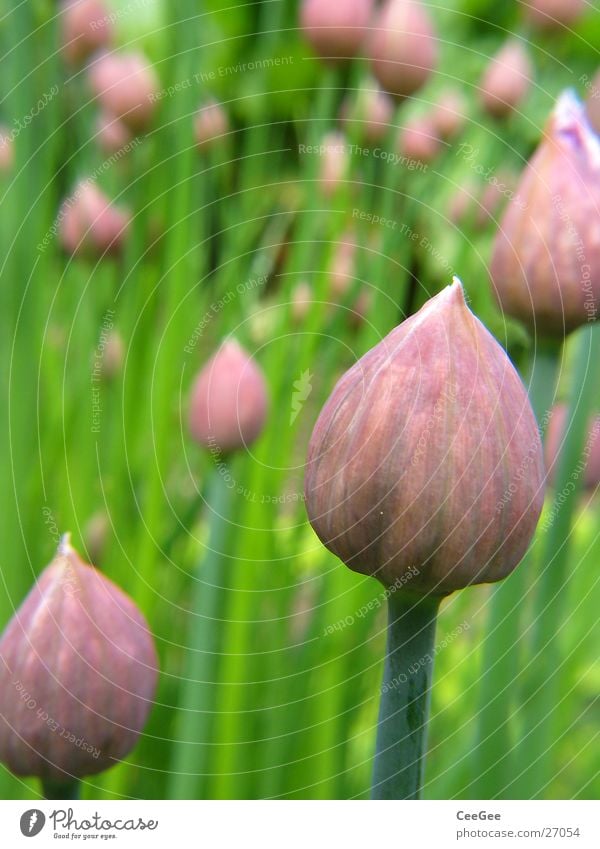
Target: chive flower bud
column 589, row 464
column 86, row 27
column 554, row 14
column 335, row 30
column 449, row 114
column 90, row 223
column 545, row 264
column 126, row 86
column 425, row 465
column 211, row 124
column 228, row 401
column 78, row 673
column 368, row 114
column 507, row 80
column 113, row 135
column 402, row 47
column 419, row 141
column 7, row 151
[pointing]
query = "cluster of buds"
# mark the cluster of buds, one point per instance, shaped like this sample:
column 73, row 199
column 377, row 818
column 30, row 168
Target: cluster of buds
column 427, row 456
column 90, row 223
column 78, row 673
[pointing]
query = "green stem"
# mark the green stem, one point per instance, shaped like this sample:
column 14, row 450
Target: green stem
column 192, row 747
column 61, row 790
column 405, row 695
column 494, row 753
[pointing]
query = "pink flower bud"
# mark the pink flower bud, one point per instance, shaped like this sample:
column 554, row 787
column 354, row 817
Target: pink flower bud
column 545, row 265
column 78, row 671
column 335, row 30
column 86, row 27
column 553, row 14
column 211, row 124
column 302, row 298
column 343, row 262
column 89, row 223
column 449, row 114
column 229, row 400
column 402, row 47
column 425, row 465
column 590, row 458
column 113, row 134
column 126, row 86
column 7, row 151
column 368, row 114
column 419, row 141
column 592, row 105
column 507, row 80
column 334, row 165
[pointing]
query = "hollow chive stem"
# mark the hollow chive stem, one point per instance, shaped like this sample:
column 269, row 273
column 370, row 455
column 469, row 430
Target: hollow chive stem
column 192, row 750
column 495, row 753
column 61, row 790
column 405, row 695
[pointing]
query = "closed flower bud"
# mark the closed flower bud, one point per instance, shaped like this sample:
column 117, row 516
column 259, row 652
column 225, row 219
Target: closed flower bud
column 7, row 151
column 343, row 265
column 78, row 672
column 126, row 86
column 113, row 134
column 590, row 458
column 335, row 30
column 368, row 114
column 419, row 141
column 302, row 299
column 449, row 114
column 507, row 80
column 425, row 465
column 90, row 223
column 86, row 27
column 402, row 47
column 211, row 124
column 229, row 400
column 546, row 261
column 109, row 355
column 553, row 14
column 95, row 534
column 335, row 160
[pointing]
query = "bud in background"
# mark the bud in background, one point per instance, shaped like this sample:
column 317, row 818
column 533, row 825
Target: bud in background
column 112, row 354
column 335, row 161
column 90, row 223
column 545, row 265
column 402, row 47
column 416, row 461
column 419, row 141
column 592, row 105
column 113, row 134
column 95, row 534
column 590, row 459
column 335, row 30
column 229, row 400
column 126, row 86
column 78, row 673
column 302, row 299
column 343, row 263
column 368, row 113
column 553, row 14
column 86, row 27
column 211, row 124
column 507, row 80
column 449, row 114
column 7, row 151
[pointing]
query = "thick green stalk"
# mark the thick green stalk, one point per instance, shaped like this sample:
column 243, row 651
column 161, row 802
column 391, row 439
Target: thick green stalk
column 494, row 753
column 192, row 738
column 405, row 696
column 542, row 709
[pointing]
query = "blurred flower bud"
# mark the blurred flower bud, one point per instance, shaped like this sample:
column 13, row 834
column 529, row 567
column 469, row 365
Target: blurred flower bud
column 553, row 14
column 86, row 27
column 77, row 674
column 228, row 401
column 402, row 47
column 545, row 265
column 507, row 80
column 425, row 466
column 335, row 160
column 302, row 298
column 361, row 308
column 95, row 534
column 126, row 86
column 462, row 203
column 90, row 223
column 109, row 356
column 590, row 458
column 211, row 124
column 343, row 261
column 113, row 134
column 368, row 114
column 449, row 114
column 419, row 141
column 7, row 151
column 494, row 197
column 335, row 30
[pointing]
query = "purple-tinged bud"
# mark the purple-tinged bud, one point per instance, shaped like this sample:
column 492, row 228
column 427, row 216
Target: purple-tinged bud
column 211, row 124
column 229, row 400
column 126, row 86
column 449, row 114
column 7, row 151
column 590, row 458
column 368, row 114
column 425, row 466
column 553, row 14
column 78, row 672
column 402, row 47
column 112, row 133
column 335, row 30
column 419, row 141
column 90, row 223
column 545, row 265
column 334, row 164
column 86, row 27
column 507, row 80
